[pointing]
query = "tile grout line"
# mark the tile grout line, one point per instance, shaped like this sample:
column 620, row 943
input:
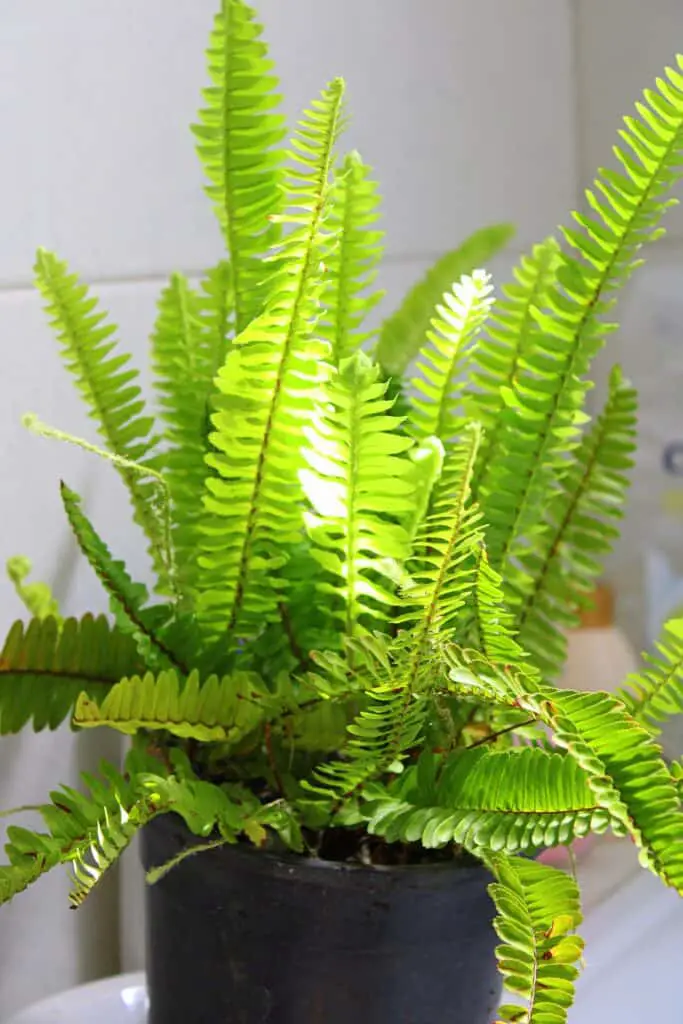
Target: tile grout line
column 26, row 286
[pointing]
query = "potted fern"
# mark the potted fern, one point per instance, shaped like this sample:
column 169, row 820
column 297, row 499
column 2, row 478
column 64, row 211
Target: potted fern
column 346, row 742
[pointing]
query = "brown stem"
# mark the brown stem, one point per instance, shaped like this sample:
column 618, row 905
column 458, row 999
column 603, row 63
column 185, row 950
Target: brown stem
column 494, row 735
column 268, row 737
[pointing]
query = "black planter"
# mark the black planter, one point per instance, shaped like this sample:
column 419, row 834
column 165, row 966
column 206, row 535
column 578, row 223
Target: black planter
column 235, row 936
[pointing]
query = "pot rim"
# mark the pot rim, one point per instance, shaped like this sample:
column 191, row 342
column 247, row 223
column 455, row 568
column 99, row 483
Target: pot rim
column 314, row 870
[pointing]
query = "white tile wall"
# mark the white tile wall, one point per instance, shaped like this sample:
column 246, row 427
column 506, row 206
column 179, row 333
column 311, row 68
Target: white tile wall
column 624, row 45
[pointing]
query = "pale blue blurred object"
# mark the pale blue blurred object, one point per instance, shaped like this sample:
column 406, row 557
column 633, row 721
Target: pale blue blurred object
column 120, row 1000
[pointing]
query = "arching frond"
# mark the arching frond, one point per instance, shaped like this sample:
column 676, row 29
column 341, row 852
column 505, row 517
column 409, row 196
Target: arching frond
column 351, row 263
column 359, row 485
column 538, row 911
column 544, row 406
column 238, row 140
column 88, row 831
column 437, row 388
column 214, row 710
column 127, row 598
column 514, row 800
column 623, row 765
column 404, row 332
column 564, row 558
column 656, row 692
column 265, row 395
column 45, row 665
column 107, row 382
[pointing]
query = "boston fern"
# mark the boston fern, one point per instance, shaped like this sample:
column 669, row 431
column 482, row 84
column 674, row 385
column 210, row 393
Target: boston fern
column 363, row 578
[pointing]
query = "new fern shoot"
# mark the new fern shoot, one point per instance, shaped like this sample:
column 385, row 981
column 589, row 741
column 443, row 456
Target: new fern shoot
column 368, row 539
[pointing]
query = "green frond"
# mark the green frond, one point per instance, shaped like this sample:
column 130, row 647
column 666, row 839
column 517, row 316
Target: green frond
column 511, row 332
column 107, row 383
column 37, row 597
column 538, row 910
column 656, row 692
column 224, row 710
column 216, row 311
column 404, row 332
column 544, row 406
column 379, row 738
column 88, row 831
column 359, row 485
column 623, row 764
column 238, row 141
column 437, row 389
column 514, row 800
column 127, row 598
column 443, row 571
column 189, row 344
column 351, row 264
column 626, row 771
column 492, row 623
column 266, row 392
column 564, row 558
column 45, row 666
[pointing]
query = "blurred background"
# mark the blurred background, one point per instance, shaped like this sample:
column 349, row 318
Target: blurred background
column 471, row 111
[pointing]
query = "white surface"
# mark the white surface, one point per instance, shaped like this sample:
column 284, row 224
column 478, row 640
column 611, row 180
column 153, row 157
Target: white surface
column 121, row 1000
column 445, row 100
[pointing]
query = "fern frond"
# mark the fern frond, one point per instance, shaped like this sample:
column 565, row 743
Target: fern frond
column 391, row 723
column 359, row 486
column 509, row 335
column 45, row 666
column 656, row 692
column 108, row 384
column 514, row 800
column 493, row 624
column 623, row 764
column 265, row 395
column 352, row 262
column 214, row 710
column 86, row 830
column 626, row 771
column 403, row 333
column 545, row 404
column 538, row 911
column 216, row 311
column 564, row 557
column 445, row 548
column 188, row 346
column 37, row 597
column 127, row 598
column 238, row 141
column 437, row 388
